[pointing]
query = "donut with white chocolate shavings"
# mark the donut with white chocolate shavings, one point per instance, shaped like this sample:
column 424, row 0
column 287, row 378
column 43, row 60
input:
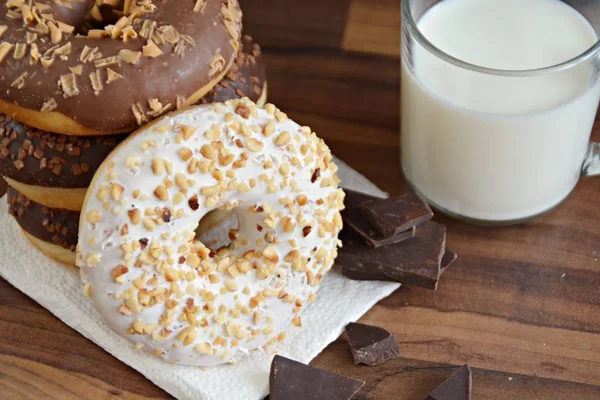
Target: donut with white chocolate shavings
column 158, row 56
column 165, row 291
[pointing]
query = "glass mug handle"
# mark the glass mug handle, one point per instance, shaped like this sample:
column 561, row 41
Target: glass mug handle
column 591, row 165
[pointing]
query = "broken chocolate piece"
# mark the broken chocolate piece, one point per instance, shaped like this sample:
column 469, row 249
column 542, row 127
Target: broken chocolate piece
column 457, row 387
column 355, row 220
column 291, row 380
column 397, row 214
column 447, row 260
column 371, row 345
column 413, row 262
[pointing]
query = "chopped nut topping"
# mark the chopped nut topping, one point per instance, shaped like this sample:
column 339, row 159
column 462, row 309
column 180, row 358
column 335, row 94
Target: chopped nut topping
column 254, row 145
column 193, row 203
column 116, row 191
column 119, row 271
column 185, row 154
column 306, row 230
column 208, row 151
column 243, row 111
column 93, row 217
column 3, row 29
column 135, row 216
column 269, row 128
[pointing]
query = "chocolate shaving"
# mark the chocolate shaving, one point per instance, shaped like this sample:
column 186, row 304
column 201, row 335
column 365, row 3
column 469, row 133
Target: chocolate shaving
column 291, row 380
column 371, row 345
column 457, row 387
column 413, row 262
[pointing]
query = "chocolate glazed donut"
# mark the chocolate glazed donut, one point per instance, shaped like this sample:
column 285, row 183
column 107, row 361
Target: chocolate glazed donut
column 55, row 170
column 52, row 169
column 52, row 230
column 157, row 57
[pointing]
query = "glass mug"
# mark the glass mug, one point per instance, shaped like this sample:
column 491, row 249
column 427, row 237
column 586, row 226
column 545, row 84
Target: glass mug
column 496, row 146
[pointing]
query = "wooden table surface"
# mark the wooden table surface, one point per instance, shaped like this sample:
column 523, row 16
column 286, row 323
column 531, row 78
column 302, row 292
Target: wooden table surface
column 521, row 306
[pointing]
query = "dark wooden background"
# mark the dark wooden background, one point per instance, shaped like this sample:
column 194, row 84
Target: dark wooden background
column 522, row 304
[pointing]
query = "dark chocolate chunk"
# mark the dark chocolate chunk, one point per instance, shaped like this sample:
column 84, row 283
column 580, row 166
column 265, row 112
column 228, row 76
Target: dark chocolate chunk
column 355, row 220
column 291, row 380
column 413, row 262
column 397, row 214
column 457, row 387
column 371, row 345
column 447, row 260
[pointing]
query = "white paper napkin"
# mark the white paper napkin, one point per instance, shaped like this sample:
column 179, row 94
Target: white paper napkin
column 57, row 287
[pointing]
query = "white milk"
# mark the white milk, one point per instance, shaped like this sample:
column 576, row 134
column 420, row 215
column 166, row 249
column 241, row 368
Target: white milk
column 492, row 147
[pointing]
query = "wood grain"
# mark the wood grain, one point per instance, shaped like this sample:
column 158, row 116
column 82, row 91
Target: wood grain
column 521, row 305
column 373, row 27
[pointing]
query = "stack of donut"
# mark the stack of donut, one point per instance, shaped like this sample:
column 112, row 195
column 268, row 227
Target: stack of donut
column 76, row 77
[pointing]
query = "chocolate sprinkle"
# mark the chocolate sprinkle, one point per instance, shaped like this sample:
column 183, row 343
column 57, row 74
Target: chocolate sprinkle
column 246, row 78
column 35, row 157
column 51, row 225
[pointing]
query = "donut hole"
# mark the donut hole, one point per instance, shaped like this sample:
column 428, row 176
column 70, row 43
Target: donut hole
column 217, row 229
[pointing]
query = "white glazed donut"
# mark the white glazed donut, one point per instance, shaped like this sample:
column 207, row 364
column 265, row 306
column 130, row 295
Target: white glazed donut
column 156, row 285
